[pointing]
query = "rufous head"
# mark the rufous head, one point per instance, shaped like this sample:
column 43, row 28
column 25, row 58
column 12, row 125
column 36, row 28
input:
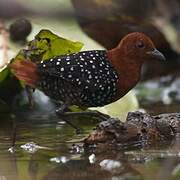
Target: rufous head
column 139, row 47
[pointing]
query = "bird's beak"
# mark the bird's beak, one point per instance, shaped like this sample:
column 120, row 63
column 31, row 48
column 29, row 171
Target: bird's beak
column 155, row 54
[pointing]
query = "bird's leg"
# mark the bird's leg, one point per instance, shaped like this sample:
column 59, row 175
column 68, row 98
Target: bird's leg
column 60, row 113
column 14, row 134
column 101, row 116
column 29, row 91
column 12, row 148
column 78, row 130
column 64, row 115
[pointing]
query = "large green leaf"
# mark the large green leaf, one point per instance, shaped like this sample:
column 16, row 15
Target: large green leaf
column 3, row 74
column 47, row 45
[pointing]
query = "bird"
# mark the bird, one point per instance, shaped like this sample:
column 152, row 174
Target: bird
column 90, row 78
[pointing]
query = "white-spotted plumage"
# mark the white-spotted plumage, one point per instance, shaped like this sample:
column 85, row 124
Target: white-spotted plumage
column 84, row 79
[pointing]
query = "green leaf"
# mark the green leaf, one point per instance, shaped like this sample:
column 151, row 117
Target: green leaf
column 47, row 45
column 3, row 74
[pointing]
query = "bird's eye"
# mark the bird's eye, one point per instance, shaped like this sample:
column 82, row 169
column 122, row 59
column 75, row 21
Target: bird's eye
column 140, row 45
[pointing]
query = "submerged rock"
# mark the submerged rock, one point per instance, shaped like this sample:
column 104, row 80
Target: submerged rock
column 141, row 128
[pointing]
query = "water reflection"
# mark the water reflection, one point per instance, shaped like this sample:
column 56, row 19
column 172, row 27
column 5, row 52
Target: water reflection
column 39, row 138
column 57, row 158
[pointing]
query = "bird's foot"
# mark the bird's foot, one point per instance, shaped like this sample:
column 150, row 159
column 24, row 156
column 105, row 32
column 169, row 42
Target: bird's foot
column 64, row 115
column 60, row 113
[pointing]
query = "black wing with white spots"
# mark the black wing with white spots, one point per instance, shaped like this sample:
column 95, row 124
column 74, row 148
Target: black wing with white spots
column 85, row 78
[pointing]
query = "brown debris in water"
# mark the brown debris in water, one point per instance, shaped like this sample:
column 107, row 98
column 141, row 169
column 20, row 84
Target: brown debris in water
column 139, row 127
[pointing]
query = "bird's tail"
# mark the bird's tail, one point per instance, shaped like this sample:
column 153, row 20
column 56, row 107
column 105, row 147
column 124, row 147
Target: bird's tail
column 26, row 71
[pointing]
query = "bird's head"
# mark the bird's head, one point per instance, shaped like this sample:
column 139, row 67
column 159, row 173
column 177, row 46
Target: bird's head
column 139, row 47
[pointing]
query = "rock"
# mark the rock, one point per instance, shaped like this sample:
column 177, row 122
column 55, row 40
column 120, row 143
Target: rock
column 139, row 127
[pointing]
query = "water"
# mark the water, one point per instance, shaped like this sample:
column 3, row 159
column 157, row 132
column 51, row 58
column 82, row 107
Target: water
column 49, row 154
column 45, row 131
